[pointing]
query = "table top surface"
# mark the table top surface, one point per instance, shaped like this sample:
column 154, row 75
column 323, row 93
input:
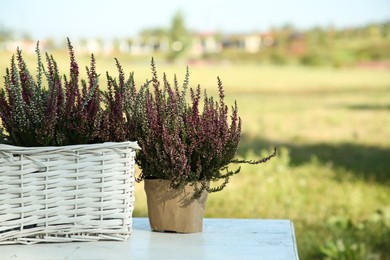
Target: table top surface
column 220, row 239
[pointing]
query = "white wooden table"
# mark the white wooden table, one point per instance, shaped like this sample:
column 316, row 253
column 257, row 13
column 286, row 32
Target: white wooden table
column 220, row 239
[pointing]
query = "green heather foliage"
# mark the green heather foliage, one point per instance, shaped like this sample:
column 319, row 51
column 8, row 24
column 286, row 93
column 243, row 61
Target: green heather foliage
column 62, row 112
column 181, row 142
column 2, row 135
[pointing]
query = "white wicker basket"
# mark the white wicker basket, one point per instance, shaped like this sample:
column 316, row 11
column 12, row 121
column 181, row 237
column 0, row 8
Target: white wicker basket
column 68, row 193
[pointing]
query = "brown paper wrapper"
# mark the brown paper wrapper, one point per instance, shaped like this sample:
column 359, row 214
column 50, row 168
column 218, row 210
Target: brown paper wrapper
column 172, row 210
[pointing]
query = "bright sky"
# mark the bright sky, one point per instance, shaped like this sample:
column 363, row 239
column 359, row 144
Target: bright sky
column 123, row 18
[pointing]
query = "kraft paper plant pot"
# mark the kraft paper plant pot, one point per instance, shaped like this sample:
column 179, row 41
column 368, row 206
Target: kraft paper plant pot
column 66, row 193
column 172, row 210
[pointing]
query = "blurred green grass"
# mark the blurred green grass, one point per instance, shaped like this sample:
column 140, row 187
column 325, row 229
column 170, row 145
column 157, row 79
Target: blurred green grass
column 331, row 127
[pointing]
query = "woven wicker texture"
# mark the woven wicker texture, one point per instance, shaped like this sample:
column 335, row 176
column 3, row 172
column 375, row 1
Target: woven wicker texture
column 68, row 193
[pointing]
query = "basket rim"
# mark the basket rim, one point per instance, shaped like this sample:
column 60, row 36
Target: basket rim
column 39, row 149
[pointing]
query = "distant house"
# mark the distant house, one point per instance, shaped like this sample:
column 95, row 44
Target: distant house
column 26, row 45
column 144, row 45
column 244, row 42
column 297, row 45
column 267, row 39
column 205, row 42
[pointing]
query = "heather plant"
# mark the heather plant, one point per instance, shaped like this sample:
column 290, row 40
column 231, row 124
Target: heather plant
column 65, row 111
column 180, row 141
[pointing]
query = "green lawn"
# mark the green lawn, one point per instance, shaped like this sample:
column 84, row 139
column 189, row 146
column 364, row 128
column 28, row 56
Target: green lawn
column 332, row 130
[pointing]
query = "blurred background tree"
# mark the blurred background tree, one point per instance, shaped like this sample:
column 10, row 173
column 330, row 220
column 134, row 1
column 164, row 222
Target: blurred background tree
column 179, row 37
column 5, row 34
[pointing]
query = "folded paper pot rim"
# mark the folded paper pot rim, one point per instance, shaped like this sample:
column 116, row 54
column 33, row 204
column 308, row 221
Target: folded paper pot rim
column 66, row 193
column 173, row 210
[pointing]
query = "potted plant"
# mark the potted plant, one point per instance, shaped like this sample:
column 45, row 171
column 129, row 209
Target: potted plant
column 66, row 167
column 185, row 148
